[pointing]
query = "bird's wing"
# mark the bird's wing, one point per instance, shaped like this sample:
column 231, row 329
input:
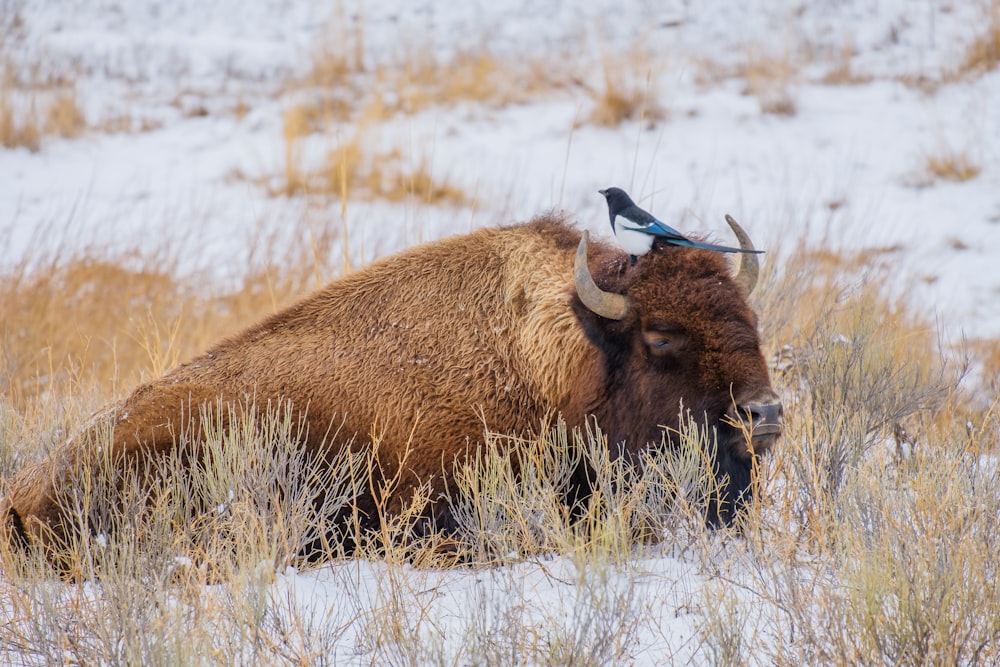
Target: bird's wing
column 661, row 228
column 643, row 221
column 637, row 216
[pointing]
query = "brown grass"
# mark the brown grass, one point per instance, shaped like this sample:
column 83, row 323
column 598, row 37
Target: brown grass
column 422, row 80
column 860, row 381
column 340, row 88
column 766, row 76
column 944, row 164
column 343, row 102
column 987, row 353
column 951, row 166
column 349, row 170
column 983, row 54
column 876, row 502
column 343, row 98
column 842, row 72
column 629, row 89
column 860, row 553
column 64, row 117
column 110, row 321
column 17, row 130
column 769, row 78
column 87, row 318
column 35, row 105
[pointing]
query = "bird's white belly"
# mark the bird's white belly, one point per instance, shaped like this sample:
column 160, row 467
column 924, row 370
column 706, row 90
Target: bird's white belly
column 631, row 241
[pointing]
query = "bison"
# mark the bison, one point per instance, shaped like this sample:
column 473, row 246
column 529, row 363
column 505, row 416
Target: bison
column 498, row 330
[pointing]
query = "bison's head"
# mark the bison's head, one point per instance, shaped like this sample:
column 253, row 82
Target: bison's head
column 677, row 336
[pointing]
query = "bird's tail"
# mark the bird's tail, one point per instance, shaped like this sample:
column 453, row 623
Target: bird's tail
column 718, row 248
column 679, row 240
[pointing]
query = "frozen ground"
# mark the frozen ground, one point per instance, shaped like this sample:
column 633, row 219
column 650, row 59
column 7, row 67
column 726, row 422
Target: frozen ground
column 846, row 169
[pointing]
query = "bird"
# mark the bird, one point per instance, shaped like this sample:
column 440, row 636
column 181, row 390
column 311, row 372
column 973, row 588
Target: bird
column 637, row 230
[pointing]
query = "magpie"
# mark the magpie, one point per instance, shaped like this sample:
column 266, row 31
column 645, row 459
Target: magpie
column 637, row 230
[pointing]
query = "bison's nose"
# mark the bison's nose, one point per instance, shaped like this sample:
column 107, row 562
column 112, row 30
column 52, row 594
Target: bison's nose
column 764, row 417
column 763, row 421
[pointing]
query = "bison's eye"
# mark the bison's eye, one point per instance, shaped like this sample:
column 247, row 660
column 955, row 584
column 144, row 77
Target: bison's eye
column 664, row 343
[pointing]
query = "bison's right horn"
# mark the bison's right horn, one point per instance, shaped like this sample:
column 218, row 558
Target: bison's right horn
column 749, row 265
column 606, row 304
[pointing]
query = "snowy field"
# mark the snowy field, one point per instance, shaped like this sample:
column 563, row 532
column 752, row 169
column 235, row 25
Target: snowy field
column 846, row 169
column 826, row 142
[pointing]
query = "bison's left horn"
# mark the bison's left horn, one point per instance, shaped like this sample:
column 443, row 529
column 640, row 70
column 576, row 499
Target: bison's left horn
column 749, row 265
column 606, row 304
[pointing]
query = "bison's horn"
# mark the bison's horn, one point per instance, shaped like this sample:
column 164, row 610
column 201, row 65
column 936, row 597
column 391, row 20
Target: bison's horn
column 749, row 266
column 606, row 304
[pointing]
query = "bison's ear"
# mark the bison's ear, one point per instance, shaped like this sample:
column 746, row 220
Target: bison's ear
column 608, row 335
column 595, row 327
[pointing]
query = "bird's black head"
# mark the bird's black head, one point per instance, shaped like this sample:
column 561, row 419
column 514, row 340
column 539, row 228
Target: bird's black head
column 618, row 200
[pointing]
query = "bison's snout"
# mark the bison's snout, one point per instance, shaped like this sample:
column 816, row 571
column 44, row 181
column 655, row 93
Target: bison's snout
column 762, row 420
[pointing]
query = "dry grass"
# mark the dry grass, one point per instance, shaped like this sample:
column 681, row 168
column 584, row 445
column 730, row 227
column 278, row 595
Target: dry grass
column 17, row 131
column 112, row 320
column 152, row 550
column 952, row 166
column 944, row 164
column 769, row 78
column 64, row 117
column 352, row 170
column 827, row 316
column 987, row 352
column 864, row 549
column 204, row 547
column 28, row 116
column 33, row 104
column 842, row 72
column 630, row 89
column 879, row 503
column 897, row 575
column 344, row 102
column 339, row 87
column 390, row 175
column 421, row 81
column 983, row 54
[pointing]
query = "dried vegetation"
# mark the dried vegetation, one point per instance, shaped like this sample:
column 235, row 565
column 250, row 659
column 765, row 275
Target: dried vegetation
column 867, row 546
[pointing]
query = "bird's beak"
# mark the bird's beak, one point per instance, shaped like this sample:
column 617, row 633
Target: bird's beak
column 603, row 192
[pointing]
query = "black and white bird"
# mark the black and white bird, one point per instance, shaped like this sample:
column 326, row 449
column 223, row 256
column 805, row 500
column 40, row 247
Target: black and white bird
column 637, row 230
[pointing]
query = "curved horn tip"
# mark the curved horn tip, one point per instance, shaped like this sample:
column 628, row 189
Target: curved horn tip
column 608, row 305
column 749, row 263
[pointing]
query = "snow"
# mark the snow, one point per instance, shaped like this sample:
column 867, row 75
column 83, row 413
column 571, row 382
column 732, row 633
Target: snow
column 844, row 170
column 585, row 602
column 856, row 147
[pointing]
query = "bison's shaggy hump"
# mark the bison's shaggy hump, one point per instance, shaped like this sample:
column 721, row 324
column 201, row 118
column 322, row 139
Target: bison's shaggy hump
column 431, row 346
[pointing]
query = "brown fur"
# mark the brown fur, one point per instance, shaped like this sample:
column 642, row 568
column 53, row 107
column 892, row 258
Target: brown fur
column 429, row 347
